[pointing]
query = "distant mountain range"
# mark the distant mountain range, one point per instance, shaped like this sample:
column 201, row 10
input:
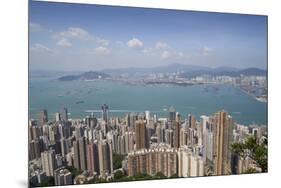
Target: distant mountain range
column 192, row 70
column 90, row 75
column 187, row 71
column 226, row 72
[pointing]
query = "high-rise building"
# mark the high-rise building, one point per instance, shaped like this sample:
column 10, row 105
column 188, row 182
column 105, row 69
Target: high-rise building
column 169, row 134
column 35, row 148
column 172, row 114
column 141, row 136
column 204, row 123
column 43, row 117
column 104, row 109
column 64, row 114
column 62, row 177
column 105, row 157
column 58, row 116
column 92, row 158
column 177, row 135
column 160, row 132
column 222, row 141
column 82, row 153
column 147, row 116
column 48, row 162
column 76, row 157
column 150, row 161
column 191, row 121
column 196, row 166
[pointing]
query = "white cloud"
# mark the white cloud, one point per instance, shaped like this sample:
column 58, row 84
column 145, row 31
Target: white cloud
column 161, row 45
column 66, row 38
column 64, row 43
column 102, row 42
column 171, row 54
column 102, row 50
column 40, row 48
column 166, row 55
column 73, row 32
column 206, row 50
column 135, row 43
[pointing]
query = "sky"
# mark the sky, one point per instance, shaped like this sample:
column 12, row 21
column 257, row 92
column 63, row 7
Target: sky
column 81, row 37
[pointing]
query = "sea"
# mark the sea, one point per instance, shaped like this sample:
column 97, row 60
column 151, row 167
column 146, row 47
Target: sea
column 82, row 98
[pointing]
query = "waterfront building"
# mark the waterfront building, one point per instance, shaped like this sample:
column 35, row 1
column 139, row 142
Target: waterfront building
column 43, row 117
column 58, row 116
column 64, row 114
column 104, row 115
column 172, row 114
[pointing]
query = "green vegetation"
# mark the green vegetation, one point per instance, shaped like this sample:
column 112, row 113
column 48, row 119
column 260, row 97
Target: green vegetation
column 255, row 150
column 74, row 172
column 119, row 176
column 117, row 160
column 250, row 171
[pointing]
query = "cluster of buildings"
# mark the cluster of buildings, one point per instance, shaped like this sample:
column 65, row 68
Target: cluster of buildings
column 255, row 85
column 78, row 150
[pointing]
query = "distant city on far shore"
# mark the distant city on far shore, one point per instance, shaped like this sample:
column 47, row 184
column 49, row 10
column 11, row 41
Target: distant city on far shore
column 125, row 94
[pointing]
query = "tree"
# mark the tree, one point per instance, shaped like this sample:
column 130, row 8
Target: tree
column 253, row 148
column 118, row 174
column 117, row 160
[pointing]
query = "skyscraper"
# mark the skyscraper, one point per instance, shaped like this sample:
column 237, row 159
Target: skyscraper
column 48, row 162
column 104, row 109
column 105, row 157
column 43, row 117
column 58, row 116
column 76, row 157
column 177, row 134
column 64, row 114
column 172, row 114
column 141, row 136
column 191, row 121
column 92, row 158
column 169, row 134
column 82, row 153
column 222, row 141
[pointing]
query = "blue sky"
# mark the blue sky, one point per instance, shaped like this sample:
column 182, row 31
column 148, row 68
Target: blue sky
column 92, row 37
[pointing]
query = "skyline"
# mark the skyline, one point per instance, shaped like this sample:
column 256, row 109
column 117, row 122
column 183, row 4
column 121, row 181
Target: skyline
column 142, row 37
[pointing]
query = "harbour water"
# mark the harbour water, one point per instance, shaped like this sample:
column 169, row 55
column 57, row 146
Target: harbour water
column 80, row 96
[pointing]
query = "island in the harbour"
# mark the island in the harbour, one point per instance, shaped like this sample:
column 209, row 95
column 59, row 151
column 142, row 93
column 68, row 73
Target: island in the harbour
column 90, row 75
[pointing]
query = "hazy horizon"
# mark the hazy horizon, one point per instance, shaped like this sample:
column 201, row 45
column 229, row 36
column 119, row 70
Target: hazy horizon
column 101, row 70
column 80, row 37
